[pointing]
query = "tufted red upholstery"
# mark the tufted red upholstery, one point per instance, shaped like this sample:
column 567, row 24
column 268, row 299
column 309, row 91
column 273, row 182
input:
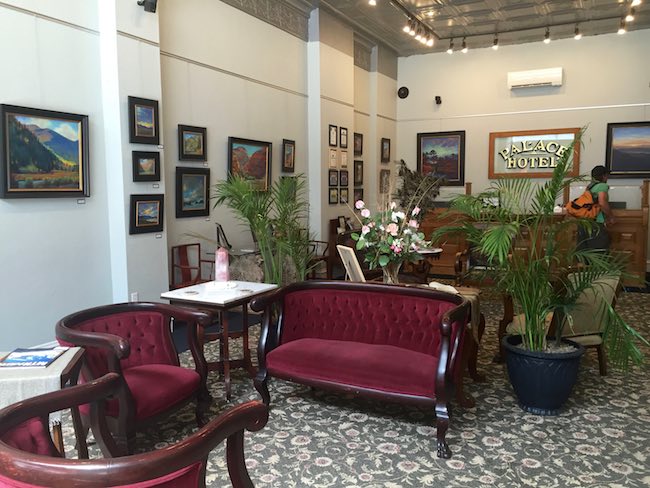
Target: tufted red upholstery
column 407, row 322
column 30, row 436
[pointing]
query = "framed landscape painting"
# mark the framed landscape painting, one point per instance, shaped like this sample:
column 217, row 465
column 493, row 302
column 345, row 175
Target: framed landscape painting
column 43, row 153
column 192, row 143
column 192, row 192
column 143, row 121
column 443, row 154
column 628, row 150
column 288, row 155
column 251, row 159
column 146, row 166
column 146, row 213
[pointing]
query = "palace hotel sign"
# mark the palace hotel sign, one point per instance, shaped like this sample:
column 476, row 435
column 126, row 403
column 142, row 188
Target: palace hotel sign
column 531, row 153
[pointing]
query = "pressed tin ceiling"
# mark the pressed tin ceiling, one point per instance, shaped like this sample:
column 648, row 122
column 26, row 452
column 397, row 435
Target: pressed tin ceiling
column 513, row 21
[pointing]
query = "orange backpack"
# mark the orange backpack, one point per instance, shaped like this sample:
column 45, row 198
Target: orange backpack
column 583, row 206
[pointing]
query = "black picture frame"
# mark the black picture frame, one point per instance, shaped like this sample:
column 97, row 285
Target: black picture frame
column 288, row 155
column 358, row 144
column 344, row 178
column 343, row 195
column 452, row 166
column 241, row 151
column 48, row 151
column 385, row 150
column 147, row 213
column 333, row 196
column 628, row 149
column 144, row 127
column 333, row 177
column 358, row 173
column 358, row 194
column 333, row 135
column 192, row 143
column 192, row 192
column 146, row 165
column 343, row 137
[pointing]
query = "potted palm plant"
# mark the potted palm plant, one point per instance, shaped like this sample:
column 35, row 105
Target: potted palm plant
column 532, row 258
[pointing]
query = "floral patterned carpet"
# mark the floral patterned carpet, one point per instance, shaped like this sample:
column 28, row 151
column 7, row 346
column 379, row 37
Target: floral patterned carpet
column 318, row 439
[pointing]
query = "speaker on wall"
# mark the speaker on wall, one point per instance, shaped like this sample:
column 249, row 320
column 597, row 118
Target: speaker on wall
column 438, row 100
column 403, row 92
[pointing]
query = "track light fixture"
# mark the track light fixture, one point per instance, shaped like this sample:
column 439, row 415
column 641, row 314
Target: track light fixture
column 630, row 15
column 430, row 40
column 577, row 34
column 450, row 49
column 464, row 47
column 412, row 29
column 621, row 27
column 495, row 43
column 418, row 34
column 547, row 36
column 407, row 26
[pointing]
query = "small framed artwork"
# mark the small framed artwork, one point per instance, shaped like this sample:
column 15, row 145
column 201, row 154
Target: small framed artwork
column 251, row 159
column 443, row 154
column 343, row 177
column 358, row 173
column 384, row 181
column 334, row 196
column 334, row 163
column 358, row 144
column 192, row 192
column 143, row 121
column 343, row 196
column 333, row 177
column 628, row 150
column 288, row 155
column 358, row 194
column 344, row 159
column 385, row 150
column 146, row 166
column 43, row 153
column 342, row 221
column 343, row 137
column 333, row 135
column 192, row 143
column 147, row 213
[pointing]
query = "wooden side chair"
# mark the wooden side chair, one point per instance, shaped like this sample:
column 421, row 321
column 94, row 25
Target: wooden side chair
column 319, row 251
column 188, row 266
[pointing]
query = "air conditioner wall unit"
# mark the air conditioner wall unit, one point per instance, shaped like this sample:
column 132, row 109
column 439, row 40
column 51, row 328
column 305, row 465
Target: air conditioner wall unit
column 535, row 77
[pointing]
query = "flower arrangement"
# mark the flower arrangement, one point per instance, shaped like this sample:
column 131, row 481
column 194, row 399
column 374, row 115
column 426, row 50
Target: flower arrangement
column 389, row 238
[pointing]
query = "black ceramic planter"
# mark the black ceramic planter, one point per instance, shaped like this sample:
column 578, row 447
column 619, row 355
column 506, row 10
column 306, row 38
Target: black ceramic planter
column 542, row 381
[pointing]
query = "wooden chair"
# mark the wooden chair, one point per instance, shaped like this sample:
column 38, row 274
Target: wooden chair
column 28, row 456
column 188, row 266
column 135, row 341
column 319, row 251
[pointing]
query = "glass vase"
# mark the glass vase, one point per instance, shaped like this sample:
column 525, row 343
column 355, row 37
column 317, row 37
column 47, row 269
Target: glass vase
column 391, row 273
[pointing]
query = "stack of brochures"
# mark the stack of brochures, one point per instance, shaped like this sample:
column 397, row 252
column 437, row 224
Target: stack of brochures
column 31, row 358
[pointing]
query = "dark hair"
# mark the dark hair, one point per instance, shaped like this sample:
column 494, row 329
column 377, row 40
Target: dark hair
column 599, row 172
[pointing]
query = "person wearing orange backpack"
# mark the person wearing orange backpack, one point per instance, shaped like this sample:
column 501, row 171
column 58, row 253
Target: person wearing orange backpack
column 597, row 237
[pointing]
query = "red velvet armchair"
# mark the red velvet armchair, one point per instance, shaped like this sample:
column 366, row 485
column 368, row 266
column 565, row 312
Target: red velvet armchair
column 28, row 457
column 135, row 341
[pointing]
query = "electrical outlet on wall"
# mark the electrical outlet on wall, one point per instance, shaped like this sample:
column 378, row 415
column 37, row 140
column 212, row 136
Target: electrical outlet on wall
column 134, row 296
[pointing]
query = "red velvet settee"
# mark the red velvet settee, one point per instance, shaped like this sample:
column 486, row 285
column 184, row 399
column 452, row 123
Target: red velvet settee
column 389, row 342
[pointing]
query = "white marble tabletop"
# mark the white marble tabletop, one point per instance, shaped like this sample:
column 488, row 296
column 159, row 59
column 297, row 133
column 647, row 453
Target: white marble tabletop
column 430, row 250
column 219, row 293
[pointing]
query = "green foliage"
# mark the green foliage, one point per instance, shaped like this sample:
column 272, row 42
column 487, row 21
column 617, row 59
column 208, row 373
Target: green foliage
column 26, row 153
column 277, row 220
column 414, row 183
column 520, row 239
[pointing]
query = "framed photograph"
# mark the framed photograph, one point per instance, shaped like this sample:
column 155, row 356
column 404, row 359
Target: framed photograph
column 343, row 137
column 147, row 213
column 343, row 177
column 333, row 177
column 628, row 150
column 192, row 143
column 333, row 138
column 334, row 163
column 443, row 154
column 192, row 192
column 343, row 196
column 385, row 150
column 43, row 153
column 143, row 121
column 384, row 181
column 251, row 159
column 358, row 173
column 288, row 155
column 344, row 159
column 334, row 196
column 146, row 165
column 531, row 153
column 358, row 194
column 358, row 144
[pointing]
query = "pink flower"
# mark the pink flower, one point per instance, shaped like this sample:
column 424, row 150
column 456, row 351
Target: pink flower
column 415, row 211
column 364, row 230
column 365, row 213
column 392, row 229
column 413, row 223
column 395, row 248
column 393, row 205
column 359, row 204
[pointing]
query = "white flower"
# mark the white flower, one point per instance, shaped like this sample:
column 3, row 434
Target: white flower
column 359, row 204
column 365, row 213
column 395, row 216
column 393, row 205
column 415, row 211
column 414, row 223
column 364, row 230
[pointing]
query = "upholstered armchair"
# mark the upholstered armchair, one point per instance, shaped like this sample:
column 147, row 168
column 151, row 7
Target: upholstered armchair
column 135, row 341
column 28, row 456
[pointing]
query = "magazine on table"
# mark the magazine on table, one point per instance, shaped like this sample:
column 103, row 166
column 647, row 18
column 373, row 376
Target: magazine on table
column 31, row 358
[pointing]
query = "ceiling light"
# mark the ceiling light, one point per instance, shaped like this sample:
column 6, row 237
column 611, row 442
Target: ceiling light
column 630, row 16
column 577, row 34
column 450, row 50
column 495, row 43
column 621, row 27
column 407, row 26
column 430, row 40
column 547, row 36
column 635, row 3
column 430, row 13
column 418, row 36
column 372, row 2
column 412, row 30
column 464, row 49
